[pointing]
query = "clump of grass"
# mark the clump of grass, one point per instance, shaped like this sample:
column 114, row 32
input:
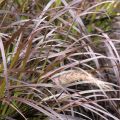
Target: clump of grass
column 49, row 56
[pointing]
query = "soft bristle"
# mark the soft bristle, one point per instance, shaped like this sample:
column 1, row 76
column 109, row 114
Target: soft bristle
column 71, row 76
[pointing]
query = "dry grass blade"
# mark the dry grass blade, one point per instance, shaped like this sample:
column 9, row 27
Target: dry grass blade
column 68, row 117
column 17, row 111
column 5, row 70
column 35, row 106
column 101, row 111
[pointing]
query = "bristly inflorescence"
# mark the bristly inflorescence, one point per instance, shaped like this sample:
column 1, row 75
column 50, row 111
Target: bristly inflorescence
column 71, row 76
